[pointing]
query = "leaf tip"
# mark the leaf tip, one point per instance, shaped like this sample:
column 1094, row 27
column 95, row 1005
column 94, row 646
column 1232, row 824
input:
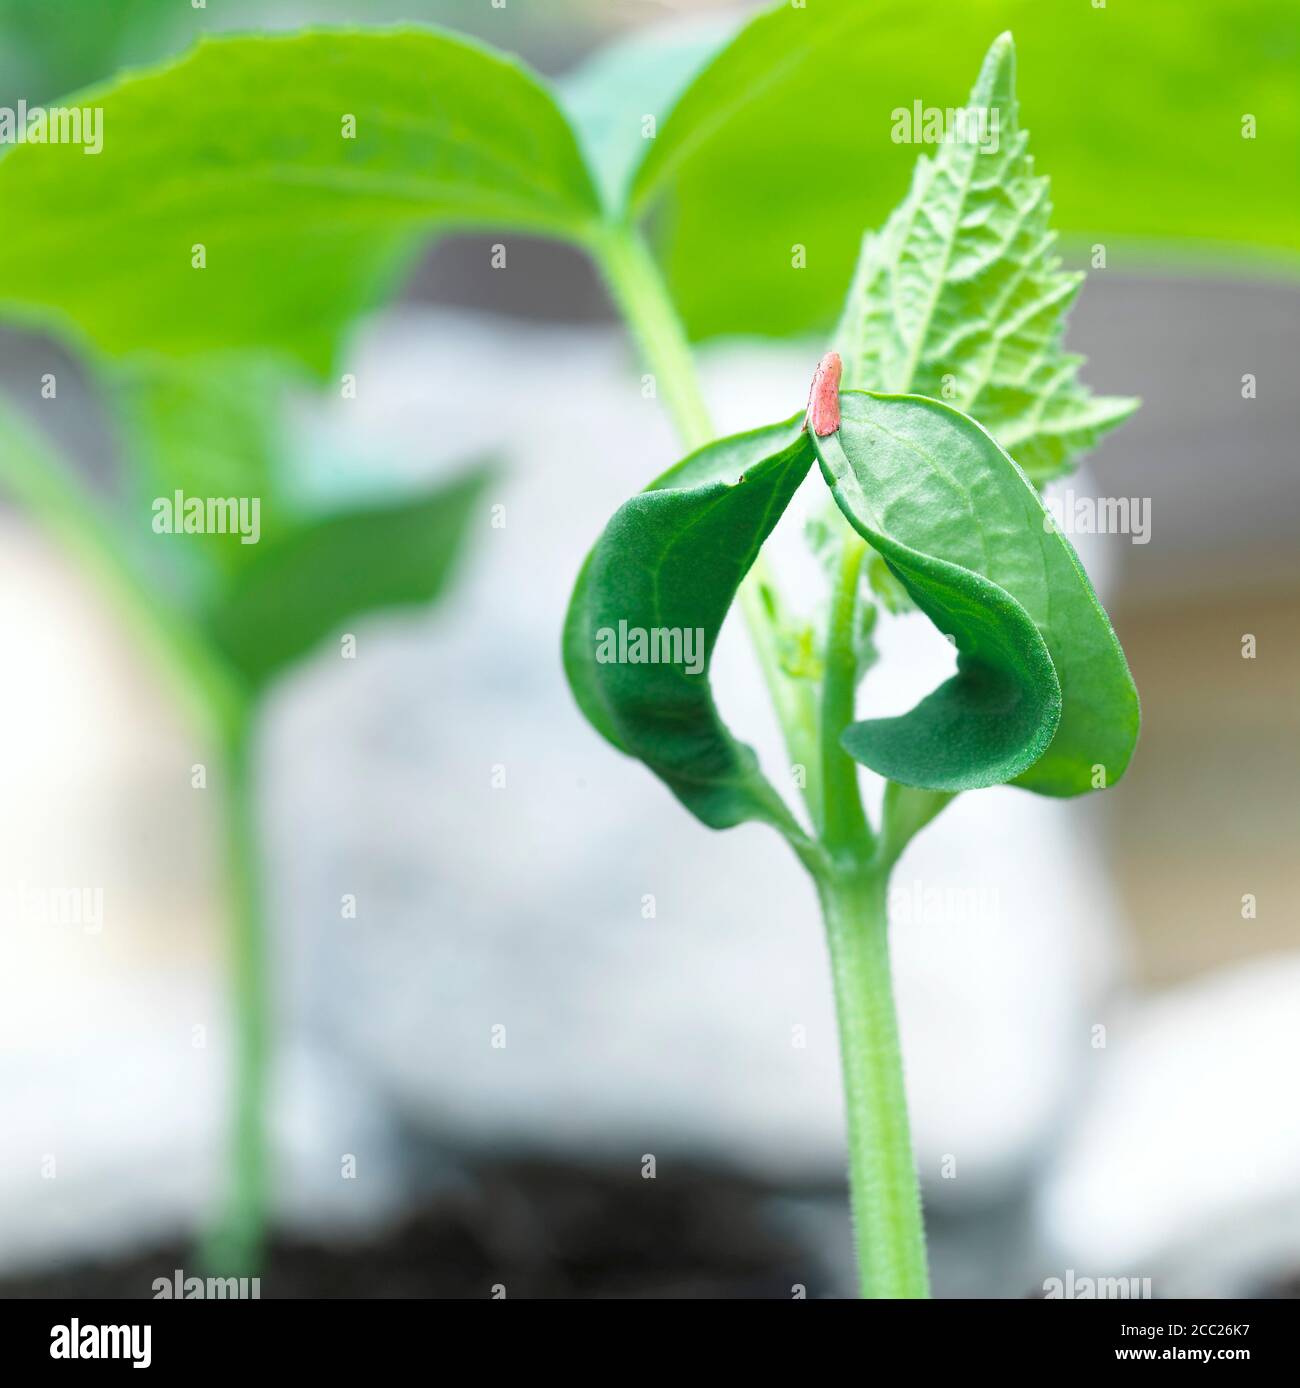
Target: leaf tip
column 996, row 83
column 824, row 398
column 1001, row 54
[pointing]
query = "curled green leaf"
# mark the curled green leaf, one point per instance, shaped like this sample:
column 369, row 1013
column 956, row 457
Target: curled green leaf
column 1042, row 697
column 648, row 606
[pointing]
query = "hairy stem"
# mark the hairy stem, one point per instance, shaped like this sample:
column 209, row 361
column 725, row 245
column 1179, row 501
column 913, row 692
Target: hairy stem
column 851, row 883
column 846, row 831
column 885, row 1196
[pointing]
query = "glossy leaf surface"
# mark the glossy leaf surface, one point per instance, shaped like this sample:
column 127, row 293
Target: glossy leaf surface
column 670, row 561
column 1042, row 694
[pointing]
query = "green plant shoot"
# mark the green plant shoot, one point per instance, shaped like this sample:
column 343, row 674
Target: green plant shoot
column 213, row 245
column 959, row 296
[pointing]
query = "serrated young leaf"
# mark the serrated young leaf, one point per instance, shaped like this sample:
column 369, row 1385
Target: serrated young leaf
column 960, row 297
column 670, row 561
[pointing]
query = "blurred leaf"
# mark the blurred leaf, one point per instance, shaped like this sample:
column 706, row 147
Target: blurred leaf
column 54, row 494
column 865, row 650
column 39, row 59
column 306, row 586
column 905, row 811
column 1136, row 109
column 240, row 147
column 1042, row 694
column 961, row 297
column 205, row 427
column 798, row 651
column 670, row 560
column 882, row 584
column 610, row 96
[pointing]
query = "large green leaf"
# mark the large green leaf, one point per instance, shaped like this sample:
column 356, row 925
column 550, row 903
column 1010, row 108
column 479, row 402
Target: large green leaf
column 1042, row 694
column 240, row 147
column 670, row 561
column 1137, row 110
column 961, row 295
column 317, row 577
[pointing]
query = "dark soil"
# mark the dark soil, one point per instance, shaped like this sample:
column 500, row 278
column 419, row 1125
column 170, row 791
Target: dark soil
column 539, row 1229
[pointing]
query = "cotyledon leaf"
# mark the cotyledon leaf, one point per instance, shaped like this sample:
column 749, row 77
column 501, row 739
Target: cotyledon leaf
column 649, row 603
column 962, row 296
column 1043, row 697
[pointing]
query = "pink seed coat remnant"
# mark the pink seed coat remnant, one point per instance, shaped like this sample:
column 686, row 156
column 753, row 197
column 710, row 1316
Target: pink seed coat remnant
column 824, row 398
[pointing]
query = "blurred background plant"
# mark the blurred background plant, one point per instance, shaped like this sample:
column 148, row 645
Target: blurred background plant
column 224, row 618
column 480, row 909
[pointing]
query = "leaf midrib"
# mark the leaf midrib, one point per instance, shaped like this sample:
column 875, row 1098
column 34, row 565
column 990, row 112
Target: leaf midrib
column 914, row 355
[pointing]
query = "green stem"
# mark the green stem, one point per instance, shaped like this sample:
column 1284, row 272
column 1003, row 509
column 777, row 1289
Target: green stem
column 846, row 831
column 852, row 880
column 885, row 1195
column 55, row 497
column 638, row 289
column 234, row 1246
column 791, row 698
